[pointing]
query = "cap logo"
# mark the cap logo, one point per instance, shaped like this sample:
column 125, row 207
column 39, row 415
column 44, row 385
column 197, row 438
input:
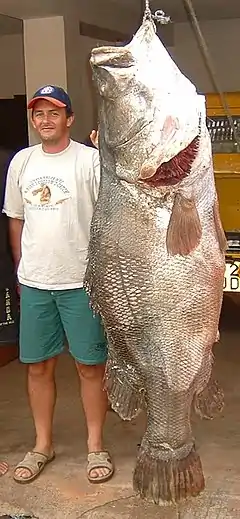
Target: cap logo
column 47, row 90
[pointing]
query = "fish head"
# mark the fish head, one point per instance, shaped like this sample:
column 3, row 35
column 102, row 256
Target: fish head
column 148, row 110
column 124, row 100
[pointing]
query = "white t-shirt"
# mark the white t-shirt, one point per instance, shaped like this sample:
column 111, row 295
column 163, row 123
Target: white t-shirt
column 55, row 195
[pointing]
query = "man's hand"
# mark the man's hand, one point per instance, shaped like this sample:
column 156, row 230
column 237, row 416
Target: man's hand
column 94, row 138
column 18, row 289
column 15, row 235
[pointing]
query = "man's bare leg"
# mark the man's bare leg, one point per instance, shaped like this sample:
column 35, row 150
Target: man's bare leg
column 42, row 397
column 3, row 468
column 95, row 404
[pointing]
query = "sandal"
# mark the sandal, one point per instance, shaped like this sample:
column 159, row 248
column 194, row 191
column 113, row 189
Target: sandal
column 34, row 462
column 98, row 460
column 3, row 468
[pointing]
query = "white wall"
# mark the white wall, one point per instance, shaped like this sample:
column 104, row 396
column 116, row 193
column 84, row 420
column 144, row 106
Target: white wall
column 223, row 39
column 78, row 49
column 11, row 66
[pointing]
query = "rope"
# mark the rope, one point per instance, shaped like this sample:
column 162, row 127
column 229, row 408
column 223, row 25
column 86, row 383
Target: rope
column 147, row 12
column 208, row 62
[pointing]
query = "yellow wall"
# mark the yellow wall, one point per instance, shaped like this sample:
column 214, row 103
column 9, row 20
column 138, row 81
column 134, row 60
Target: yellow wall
column 227, row 166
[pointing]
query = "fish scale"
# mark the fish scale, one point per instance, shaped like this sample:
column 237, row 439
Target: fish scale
column 156, row 257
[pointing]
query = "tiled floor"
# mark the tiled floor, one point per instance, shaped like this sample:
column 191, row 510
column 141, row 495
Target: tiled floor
column 62, row 491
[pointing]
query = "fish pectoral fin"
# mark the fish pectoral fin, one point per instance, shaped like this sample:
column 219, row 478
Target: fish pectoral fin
column 184, row 229
column 219, row 228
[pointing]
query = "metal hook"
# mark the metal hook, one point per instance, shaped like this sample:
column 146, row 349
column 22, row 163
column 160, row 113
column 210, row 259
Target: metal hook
column 161, row 17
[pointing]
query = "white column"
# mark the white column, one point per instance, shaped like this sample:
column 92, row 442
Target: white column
column 55, row 53
column 45, row 56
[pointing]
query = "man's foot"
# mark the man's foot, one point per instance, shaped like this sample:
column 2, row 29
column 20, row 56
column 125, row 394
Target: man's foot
column 31, row 466
column 3, row 468
column 100, row 467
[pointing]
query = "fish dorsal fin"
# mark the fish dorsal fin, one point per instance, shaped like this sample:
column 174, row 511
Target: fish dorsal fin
column 184, row 230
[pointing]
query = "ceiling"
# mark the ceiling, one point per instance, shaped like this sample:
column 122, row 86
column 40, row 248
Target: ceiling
column 206, row 9
column 33, row 8
column 23, row 9
column 9, row 25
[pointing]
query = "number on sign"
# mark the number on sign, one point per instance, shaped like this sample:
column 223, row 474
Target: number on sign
column 232, row 278
column 234, row 269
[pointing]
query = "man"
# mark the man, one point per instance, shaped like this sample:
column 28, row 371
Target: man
column 8, row 296
column 50, row 195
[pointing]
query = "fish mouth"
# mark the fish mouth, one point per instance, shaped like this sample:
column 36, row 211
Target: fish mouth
column 115, row 55
column 111, row 57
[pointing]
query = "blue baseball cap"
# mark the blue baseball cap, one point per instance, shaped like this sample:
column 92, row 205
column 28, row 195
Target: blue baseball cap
column 55, row 95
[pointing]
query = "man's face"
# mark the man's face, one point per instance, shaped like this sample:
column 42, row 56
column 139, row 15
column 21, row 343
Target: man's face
column 50, row 122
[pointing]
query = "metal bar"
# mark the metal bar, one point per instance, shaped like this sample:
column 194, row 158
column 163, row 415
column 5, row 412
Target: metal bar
column 208, row 62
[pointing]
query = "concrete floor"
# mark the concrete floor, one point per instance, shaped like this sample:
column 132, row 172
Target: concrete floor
column 63, row 492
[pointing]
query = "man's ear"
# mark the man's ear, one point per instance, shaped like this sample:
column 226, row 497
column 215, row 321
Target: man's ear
column 32, row 122
column 70, row 120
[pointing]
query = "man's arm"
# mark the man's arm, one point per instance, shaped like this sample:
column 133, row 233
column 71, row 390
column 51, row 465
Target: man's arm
column 13, row 207
column 15, row 236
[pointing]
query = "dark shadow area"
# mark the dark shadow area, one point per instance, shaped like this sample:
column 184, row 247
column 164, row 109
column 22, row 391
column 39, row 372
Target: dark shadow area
column 230, row 315
column 13, row 120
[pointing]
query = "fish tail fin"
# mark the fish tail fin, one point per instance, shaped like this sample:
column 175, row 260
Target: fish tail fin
column 209, row 403
column 219, row 228
column 168, row 481
column 184, row 229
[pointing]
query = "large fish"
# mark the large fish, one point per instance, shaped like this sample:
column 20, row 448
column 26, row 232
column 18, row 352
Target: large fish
column 156, row 255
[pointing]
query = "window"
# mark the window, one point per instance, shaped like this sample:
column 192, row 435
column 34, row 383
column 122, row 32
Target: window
column 221, row 134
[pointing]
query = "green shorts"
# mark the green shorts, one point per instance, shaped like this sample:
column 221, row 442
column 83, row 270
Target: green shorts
column 48, row 318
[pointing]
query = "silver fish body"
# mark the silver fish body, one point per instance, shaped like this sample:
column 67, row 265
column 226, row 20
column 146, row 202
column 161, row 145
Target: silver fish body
column 156, row 255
